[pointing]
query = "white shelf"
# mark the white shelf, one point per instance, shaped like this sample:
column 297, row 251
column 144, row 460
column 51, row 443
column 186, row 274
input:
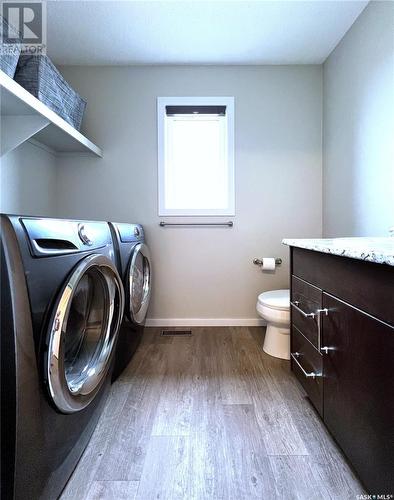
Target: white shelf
column 24, row 117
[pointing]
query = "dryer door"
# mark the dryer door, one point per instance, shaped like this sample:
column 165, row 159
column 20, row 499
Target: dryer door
column 82, row 333
column 139, row 283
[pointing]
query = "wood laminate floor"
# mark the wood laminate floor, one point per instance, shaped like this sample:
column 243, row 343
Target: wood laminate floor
column 209, row 416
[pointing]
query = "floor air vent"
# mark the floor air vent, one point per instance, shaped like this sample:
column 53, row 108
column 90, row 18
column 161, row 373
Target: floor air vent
column 176, row 333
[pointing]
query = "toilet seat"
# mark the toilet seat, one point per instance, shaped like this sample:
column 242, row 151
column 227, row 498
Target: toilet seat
column 275, row 299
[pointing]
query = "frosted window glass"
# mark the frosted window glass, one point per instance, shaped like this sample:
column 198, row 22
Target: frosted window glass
column 196, row 174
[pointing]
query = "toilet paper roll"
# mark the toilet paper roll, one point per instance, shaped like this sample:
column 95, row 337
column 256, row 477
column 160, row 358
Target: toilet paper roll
column 268, row 264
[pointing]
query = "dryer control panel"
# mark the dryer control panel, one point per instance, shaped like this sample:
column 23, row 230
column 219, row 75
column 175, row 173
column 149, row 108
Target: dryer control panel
column 130, row 232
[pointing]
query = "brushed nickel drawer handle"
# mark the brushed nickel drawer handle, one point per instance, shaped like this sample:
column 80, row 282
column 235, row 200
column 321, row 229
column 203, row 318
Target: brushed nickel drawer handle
column 306, row 315
column 308, row 375
column 319, row 332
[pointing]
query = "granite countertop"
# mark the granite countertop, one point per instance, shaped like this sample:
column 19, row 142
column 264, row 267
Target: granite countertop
column 379, row 250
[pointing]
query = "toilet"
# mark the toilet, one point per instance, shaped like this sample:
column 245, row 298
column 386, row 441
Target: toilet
column 274, row 308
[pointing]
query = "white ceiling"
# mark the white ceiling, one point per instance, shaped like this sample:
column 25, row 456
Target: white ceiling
column 197, row 32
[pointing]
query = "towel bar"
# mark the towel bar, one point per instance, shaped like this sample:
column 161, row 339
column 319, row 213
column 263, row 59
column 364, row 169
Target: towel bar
column 228, row 224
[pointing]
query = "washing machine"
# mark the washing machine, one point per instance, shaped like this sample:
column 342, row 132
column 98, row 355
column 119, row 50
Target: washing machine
column 62, row 302
column 134, row 266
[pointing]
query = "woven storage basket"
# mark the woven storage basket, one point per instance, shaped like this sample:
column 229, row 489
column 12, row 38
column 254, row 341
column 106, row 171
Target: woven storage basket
column 40, row 77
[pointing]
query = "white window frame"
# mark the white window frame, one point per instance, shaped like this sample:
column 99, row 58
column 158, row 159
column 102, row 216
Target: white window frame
column 162, row 102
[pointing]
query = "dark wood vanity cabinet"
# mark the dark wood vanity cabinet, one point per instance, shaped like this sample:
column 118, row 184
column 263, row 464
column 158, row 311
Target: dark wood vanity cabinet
column 343, row 355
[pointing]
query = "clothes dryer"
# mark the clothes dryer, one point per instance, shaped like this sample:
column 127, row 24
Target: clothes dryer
column 135, row 268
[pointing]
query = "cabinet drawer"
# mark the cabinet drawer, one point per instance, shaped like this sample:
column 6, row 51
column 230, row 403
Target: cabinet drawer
column 306, row 298
column 307, row 365
column 366, row 285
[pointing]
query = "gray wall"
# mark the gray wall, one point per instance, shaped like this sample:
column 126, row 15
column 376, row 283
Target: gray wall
column 28, row 181
column 204, row 275
column 358, row 151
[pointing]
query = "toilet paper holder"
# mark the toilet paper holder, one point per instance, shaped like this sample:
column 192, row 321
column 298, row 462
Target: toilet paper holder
column 259, row 262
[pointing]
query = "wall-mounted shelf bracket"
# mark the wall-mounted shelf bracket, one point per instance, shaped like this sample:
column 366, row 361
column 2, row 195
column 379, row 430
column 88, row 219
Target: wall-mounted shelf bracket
column 17, row 129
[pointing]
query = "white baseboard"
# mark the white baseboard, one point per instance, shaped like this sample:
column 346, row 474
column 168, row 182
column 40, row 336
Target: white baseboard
column 205, row 322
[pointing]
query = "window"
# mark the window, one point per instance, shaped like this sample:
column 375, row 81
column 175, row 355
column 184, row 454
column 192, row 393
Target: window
column 196, row 155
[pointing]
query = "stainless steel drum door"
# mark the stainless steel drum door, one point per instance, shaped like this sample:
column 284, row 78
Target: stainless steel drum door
column 139, row 285
column 83, row 332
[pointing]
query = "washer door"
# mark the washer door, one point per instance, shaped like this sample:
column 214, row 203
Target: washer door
column 139, row 284
column 83, row 332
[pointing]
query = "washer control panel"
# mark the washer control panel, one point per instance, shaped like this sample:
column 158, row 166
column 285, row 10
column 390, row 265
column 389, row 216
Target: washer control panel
column 59, row 236
column 85, row 235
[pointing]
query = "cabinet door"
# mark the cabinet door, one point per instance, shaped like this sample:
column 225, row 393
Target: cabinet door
column 358, row 394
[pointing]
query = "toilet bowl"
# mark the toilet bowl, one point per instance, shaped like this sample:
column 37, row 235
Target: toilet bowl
column 274, row 308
